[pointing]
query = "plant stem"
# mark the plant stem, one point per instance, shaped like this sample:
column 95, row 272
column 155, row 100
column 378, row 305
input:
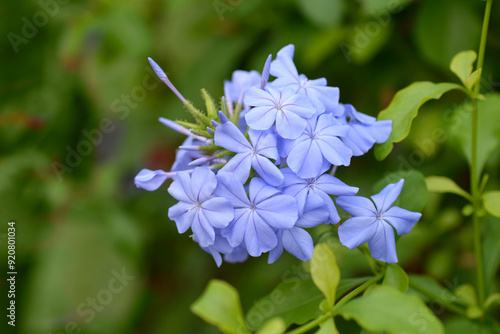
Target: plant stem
column 345, row 299
column 474, row 168
column 357, row 291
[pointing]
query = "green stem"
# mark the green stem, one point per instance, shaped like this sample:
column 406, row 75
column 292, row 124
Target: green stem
column 357, row 291
column 345, row 299
column 474, row 169
column 311, row 325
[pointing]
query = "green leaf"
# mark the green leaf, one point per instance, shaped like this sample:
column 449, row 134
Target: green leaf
column 327, row 327
column 473, row 79
column 442, row 184
column 273, row 326
column 295, row 301
column 325, row 272
column 462, row 64
column 396, row 277
column 488, row 128
column 467, row 293
column 404, row 108
column 386, row 309
column 463, row 325
column 329, row 15
column 414, row 194
column 220, row 306
column 432, row 289
column 491, row 201
column 491, row 300
column 491, row 249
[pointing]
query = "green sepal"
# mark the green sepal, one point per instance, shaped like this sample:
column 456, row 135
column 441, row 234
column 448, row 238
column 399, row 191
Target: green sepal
column 190, row 126
column 199, row 116
column 203, row 133
column 209, row 104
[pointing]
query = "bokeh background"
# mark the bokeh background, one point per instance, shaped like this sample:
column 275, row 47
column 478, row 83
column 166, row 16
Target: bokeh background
column 79, row 110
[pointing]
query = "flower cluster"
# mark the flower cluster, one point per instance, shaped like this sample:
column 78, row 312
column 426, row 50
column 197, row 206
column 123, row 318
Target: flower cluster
column 252, row 176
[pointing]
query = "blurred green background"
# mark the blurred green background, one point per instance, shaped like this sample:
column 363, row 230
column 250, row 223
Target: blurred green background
column 78, row 119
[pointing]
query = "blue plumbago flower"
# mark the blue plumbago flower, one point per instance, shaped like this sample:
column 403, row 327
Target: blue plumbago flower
column 365, row 130
column 198, row 209
column 374, row 222
column 321, row 96
column 322, row 186
column 296, row 240
column 241, row 80
column 319, row 142
column 151, row 179
column 281, row 106
column 228, row 136
column 257, row 217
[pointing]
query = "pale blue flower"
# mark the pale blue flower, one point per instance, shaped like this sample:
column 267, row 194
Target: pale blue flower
column 318, row 147
column 374, row 222
column 257, row 216
column 365, row 130
column 282, row 107
column 248, row 155
column 198, row 209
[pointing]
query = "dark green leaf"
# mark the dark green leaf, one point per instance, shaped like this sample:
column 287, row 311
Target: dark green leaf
column 295, row 301
column 404, row 108
column 325, row 272
column 386, row 309
column 220, row 306
column 433, row 290
column 491, row 249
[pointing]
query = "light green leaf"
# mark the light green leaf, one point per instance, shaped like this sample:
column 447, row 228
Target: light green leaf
column 442, row 184
column 404, row 108
column 462, row 64
column 488, row 128
column 491, row 201
column 462, row 325
column 467, row 293
column 273, row 326
column 396, row 277
column 220, row 306
column 329, row 15
column 386, row 309
column 295, row 301
column 327, row 327
column 491, row 300
column 473, row 79
column 325, row 272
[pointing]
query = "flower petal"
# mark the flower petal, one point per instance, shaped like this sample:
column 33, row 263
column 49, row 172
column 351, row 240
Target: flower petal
column 230, row 187
column 357, row 205
column 261, row 118
column 227, row 135
column 218, row 211
column 267, row 170
column 259, row 190
column 182, row 213
column 334, row 150
column 289, row 125
column 259, row 236
column 180, row 189
column 203, row 183
column 315, row 212
column 276, row 252
column 299, row 243
column 150, row 180
column 235, row 231
column 306, row 159
column 239, row 165
column 279, row 211
column 385, row 198
column 382, row 245
column 333, row 186
column 357, row 230
column 201, row 227
column 402, row 220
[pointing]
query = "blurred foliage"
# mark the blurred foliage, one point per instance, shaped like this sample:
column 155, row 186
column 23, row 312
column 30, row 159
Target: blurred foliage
column 78, row 119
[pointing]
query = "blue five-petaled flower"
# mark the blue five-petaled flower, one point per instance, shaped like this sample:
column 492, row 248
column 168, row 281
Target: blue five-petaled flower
column 374, row 222
column 198, row 209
